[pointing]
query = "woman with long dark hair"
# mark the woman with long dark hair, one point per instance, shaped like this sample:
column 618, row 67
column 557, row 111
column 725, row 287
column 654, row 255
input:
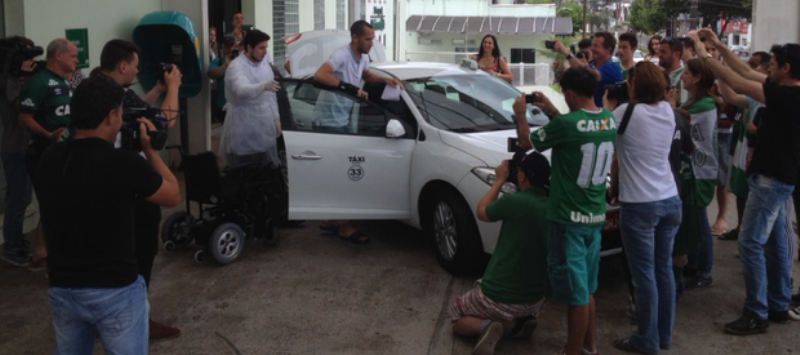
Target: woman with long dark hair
column 490, row 60
column 652, row 49
column 698, row 79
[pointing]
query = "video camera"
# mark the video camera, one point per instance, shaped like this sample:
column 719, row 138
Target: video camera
column 129, row 132
column 13, row 53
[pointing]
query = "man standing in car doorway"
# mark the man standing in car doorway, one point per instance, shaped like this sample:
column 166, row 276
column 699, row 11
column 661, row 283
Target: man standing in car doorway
column 344, row 70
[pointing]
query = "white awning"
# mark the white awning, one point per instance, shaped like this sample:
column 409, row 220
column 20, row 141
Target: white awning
column 490, row 24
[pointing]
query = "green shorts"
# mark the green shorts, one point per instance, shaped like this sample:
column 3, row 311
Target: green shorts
column 573, row 262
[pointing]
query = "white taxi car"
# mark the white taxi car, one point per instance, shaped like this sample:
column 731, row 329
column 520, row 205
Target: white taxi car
column 426, row 159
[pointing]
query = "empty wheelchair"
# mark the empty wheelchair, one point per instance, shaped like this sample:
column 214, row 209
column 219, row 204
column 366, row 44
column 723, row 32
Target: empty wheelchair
column 244, row 203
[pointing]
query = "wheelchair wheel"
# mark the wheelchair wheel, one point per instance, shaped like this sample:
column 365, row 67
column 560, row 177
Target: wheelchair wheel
column 177, row 229
column 227, row 243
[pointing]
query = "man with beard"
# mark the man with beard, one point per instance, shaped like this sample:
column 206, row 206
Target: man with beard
column 670, row 52
column 344, row 70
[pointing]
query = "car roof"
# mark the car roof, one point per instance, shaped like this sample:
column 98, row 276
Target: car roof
column 414, row 70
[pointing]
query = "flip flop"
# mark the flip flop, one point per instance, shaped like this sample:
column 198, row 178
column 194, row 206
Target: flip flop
column 718, row 231
column 329, row 229
column 355, row 238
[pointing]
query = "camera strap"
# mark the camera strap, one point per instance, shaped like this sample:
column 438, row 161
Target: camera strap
column 625, row 119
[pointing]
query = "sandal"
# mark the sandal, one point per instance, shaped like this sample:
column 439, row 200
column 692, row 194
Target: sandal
column 355, row 238
column 730, row 235
column 715, row 230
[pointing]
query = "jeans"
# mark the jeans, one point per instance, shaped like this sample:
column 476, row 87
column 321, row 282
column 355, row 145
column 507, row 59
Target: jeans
column 764, row 246
column 648, row 233
column 119, row 315
column 704, row 259
column 18, row 197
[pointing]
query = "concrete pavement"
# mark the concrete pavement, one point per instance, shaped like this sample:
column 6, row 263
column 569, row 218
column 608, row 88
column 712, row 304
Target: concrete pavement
column 314, row 294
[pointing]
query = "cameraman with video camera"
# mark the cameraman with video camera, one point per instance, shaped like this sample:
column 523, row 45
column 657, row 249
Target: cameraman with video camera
column 14, row 142
column 88, row 191
column 119, row 61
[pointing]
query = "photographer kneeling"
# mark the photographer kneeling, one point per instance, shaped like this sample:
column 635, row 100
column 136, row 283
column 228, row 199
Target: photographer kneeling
column 119, row 61
column 88, row 192
column 651, row 208
column 514, row 285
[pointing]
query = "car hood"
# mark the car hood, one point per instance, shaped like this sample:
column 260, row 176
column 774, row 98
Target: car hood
column 490, row 147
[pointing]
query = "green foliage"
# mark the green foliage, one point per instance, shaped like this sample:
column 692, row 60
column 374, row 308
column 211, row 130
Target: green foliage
column 647, row 16
column 573, row 10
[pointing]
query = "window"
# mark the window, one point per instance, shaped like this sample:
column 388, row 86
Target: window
column 324, row 111
column 341, row 15
column 319, row 15
column 523, row 55
column 286, row 20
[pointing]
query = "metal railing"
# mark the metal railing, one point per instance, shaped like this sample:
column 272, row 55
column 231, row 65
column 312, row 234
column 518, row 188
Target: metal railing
column 525, row 74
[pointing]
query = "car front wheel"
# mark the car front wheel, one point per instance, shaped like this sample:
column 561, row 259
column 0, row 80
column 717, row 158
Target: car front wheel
column 452, row 225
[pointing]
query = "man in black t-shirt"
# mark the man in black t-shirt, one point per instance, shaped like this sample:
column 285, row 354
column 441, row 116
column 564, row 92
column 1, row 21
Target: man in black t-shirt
column 87, row 191
column 120, row 62
column 764, row 244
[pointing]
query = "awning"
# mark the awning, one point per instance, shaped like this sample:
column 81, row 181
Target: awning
column 490, row 24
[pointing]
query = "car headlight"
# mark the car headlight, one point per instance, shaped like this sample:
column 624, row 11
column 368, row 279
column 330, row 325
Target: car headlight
column 487, row 175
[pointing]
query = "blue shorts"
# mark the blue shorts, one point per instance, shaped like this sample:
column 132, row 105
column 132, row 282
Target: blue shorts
column 573, row 262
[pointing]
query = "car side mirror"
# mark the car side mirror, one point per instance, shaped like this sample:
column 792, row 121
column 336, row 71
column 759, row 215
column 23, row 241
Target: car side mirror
column 394, row 129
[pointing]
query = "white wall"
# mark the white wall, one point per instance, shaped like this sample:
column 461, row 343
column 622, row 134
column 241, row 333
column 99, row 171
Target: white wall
column 260, row 13
column 506, row 43
column 105, row 20
column 775, row 22
column 14, row 17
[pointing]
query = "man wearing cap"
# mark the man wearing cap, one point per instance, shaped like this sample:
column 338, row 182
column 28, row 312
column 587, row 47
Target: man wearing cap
column 512, row 291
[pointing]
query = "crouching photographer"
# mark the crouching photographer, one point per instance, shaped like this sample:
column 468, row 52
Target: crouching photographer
column 512, row 291
column 119, row 61
column 88, row 191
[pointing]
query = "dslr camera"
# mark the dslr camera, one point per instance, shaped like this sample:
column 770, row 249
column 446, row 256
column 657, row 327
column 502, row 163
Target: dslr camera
column 130, row 133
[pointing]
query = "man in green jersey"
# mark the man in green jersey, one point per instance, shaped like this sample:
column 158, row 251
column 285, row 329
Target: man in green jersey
column 512, row 291
column 44, row 112
column 670, row 52
column 583, row 146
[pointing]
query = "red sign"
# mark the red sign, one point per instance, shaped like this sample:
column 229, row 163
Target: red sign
column 735, row 26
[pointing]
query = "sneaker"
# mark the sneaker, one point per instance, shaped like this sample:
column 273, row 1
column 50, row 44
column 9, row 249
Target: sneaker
column 40, row 265
column 524, row 327
column 15, row 256
column 159, row 331
column 488, row 339
column 780, row 317
column 747, row 324
column 625, row 345
column 699, row 282
column 794, row 313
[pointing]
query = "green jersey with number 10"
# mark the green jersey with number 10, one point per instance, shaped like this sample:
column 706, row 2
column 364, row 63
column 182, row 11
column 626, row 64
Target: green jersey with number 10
column 583, row 148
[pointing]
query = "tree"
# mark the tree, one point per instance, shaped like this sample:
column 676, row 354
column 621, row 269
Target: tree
column 647, row 16
column 573, row 10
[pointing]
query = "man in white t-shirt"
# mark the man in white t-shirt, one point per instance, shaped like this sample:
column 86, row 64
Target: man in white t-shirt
column 344, row 70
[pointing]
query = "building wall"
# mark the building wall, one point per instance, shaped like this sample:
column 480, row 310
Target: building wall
column 408, row 40
column 775, row 22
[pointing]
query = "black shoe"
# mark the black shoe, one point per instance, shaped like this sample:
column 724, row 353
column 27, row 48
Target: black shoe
column 699, row 282
column 781, row 317
column 626, row 346
column 747, row 324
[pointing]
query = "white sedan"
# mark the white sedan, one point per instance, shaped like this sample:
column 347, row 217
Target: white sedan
column 426, row 159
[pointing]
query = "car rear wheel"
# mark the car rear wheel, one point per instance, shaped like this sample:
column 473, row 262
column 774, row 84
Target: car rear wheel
column 452, row 225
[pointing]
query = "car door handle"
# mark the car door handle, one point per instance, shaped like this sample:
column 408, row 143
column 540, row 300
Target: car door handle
column 306, row 157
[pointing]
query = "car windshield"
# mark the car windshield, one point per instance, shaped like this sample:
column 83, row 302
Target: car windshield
column 467, row 102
